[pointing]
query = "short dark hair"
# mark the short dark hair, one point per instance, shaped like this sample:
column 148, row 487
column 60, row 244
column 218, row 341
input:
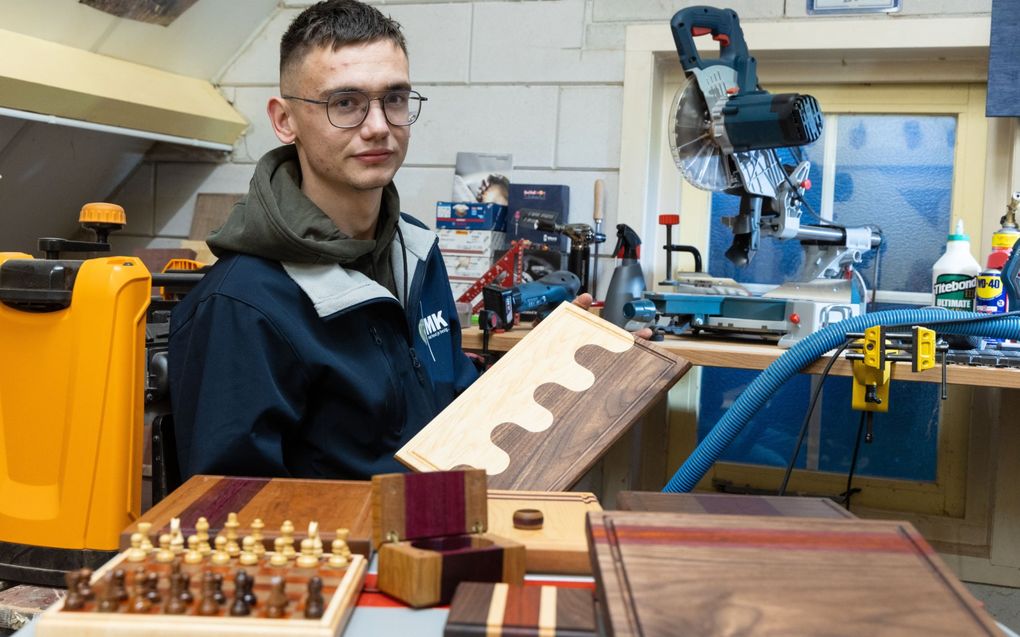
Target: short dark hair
column 336, row 23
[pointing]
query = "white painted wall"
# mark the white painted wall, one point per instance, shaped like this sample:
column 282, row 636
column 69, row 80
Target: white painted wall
column 540, row 79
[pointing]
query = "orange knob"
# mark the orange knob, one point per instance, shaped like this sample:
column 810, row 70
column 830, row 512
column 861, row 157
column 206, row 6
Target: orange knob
column 98, row 212
column 669, row 220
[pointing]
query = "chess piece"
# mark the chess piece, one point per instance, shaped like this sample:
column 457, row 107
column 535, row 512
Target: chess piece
column 314, row 603
column 313, row 535
column 138, row 603
column 231, row 526
column 202, row 531
column 174, row 604
column 164, row 555
column 152, row 588
column 278, row 558
column 276, row 605
column 307, row 558
column 337, row 558
column 145, row 528
column 218, row 593
column 176, row 537
column 194, row 555
column 240, row 607
column 208, row 605
column 85, row 584
column 342, row 534
column 136, row 553
column 287, row 532
column 109, row 600
column 74, row 599
column 248, row 556
column 256, row 532
column 220, row 556
column 249, row 592
column 186, row 595
column 118, row 585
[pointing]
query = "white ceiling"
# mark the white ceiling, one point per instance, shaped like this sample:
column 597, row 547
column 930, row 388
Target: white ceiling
column 200, row 43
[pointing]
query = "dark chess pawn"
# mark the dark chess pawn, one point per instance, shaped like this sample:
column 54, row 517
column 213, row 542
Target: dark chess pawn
column 240, row 607
column 276, row 605
column 85, row 584
column 74, row 600
column 152, row 588
column 174, row 604
column 138, row 603
column 249, row 593
column 218, row 593
column 314, row 604
column 208, row 604
column 186, row 595
column 109, row 600
column 118, row 585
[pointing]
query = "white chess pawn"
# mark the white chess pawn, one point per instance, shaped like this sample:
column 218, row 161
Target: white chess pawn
column 220, row 555
column 231, row 526
column 256, row 533
column 202, row 531
column 287, row 531
column 193, row 556
column 337, row 559
column 136, row 553
column 342, row 535
column 248, row 556
column 307, row 558
column 145, row 528
column 164, row 554
column 278, row 558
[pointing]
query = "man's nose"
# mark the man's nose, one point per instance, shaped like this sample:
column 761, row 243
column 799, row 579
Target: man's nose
column 375, row 122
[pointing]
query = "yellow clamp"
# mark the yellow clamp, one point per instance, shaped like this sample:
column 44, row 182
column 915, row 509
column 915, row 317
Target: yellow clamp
column 872, row 373
column 923, row 356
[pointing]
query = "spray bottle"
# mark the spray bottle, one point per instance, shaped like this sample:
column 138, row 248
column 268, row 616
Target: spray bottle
column 628, row 281
column 954, row 275
column 1006, row 236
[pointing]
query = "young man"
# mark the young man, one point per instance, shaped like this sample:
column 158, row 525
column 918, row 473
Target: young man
column 325, row 336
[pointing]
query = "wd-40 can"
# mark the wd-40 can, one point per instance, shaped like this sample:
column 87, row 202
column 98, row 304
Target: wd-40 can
column 991, row 294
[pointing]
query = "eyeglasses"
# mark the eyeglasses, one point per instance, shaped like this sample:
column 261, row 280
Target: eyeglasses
column 349, row 109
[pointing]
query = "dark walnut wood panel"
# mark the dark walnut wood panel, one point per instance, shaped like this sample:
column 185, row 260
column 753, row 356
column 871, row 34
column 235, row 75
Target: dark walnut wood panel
column 731, row 504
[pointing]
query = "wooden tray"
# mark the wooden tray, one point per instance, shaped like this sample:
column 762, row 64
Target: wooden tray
column 561, row 545
column 543, row 414
column 340, row 591
column 333, row 504
column 677, row 574
column 479, row 610
column 731, row 504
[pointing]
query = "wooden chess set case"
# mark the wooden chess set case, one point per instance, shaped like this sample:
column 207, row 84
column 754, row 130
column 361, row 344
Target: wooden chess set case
column 340, row 588
column 333, row 503
column 430, row 534
column 714, row 575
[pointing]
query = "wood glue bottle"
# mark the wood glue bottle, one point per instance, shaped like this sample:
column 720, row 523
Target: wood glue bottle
column 954, row 275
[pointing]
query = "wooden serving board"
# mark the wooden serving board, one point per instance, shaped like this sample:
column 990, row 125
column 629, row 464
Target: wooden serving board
column 333, row 504
column 340, row 590
column 731, row 504
column 484, row 610
column 543, row 414
column 561, row 545
column 677, row 574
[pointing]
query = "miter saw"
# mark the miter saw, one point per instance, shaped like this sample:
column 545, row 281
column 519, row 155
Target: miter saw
column 723, row 132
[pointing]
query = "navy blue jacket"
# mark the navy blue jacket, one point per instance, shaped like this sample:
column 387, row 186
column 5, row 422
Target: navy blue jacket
column 310, row 370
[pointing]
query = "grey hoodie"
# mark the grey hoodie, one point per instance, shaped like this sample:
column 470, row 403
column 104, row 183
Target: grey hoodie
column 276, row 221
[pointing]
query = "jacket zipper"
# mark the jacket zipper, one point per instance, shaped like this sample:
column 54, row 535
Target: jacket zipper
column 417, row 365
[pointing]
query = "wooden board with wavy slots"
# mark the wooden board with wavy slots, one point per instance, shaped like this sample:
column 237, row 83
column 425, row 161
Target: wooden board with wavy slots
column 546, row 412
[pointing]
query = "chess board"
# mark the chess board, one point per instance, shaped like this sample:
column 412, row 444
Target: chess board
column 333, row 503
column 546, row 412
column 340, row 588
column 665, row 574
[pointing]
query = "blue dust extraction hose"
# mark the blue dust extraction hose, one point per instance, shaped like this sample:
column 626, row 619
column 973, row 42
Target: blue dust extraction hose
column 808, row 350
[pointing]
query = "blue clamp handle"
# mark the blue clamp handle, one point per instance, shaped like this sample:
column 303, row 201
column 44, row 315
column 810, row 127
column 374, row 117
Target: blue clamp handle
column 724, row 26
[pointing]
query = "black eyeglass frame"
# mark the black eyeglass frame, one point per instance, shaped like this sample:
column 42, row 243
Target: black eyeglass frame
column 382, row 104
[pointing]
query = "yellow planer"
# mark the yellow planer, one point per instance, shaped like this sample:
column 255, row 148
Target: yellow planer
column 72, row 373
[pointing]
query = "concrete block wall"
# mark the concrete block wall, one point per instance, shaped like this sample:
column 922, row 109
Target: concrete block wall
column 539, row 79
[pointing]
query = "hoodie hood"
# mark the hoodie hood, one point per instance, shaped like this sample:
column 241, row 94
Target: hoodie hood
column 276, row 221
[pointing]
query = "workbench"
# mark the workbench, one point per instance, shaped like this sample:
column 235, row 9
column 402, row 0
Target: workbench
column 979, row 539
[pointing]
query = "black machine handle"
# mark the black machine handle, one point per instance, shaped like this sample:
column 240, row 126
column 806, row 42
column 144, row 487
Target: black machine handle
column 724, row 27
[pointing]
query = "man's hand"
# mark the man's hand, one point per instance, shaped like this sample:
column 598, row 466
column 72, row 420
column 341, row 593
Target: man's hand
column 584, row 302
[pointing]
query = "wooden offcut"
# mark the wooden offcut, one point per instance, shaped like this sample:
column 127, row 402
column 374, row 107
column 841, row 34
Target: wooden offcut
column 211, row 212
column 731, row 504
column 682, row 574
column 334, row 504
column 488, row 610
column 431, row 533
column 560, row 546
column 546, row 412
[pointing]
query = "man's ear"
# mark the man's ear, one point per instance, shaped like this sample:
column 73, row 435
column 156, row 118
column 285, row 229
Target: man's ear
column 282, row 120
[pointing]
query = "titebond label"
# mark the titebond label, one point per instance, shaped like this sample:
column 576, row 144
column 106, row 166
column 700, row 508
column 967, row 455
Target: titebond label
column 955, row 292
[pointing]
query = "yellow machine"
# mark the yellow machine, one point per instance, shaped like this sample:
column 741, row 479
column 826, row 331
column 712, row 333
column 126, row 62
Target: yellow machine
column 72, row 373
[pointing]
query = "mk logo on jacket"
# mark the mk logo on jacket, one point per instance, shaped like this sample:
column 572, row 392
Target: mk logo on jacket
column 432, row 326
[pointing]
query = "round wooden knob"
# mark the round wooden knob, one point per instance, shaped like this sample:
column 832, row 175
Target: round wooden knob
column 528, row 519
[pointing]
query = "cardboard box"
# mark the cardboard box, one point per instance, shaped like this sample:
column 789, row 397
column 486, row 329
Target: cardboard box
column 540, row 261
column 469, row 215
column 552, row 202
column 483, row 243
column 463, row 265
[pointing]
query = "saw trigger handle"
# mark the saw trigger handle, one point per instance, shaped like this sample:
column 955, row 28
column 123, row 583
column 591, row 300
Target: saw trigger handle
column 722, row 24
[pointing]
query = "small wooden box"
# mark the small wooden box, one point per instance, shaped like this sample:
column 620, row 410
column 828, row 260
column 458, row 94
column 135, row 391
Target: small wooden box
column 429, row 530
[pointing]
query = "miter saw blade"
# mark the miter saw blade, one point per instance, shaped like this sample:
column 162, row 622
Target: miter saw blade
column 695, row 152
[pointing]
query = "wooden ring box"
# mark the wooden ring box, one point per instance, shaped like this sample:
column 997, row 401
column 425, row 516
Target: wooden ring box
column 429, row 530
